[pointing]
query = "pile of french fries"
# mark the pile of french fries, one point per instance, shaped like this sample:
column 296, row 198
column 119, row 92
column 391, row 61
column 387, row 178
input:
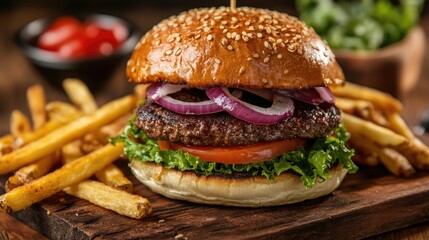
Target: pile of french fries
column 65, row 145
column 378, row 132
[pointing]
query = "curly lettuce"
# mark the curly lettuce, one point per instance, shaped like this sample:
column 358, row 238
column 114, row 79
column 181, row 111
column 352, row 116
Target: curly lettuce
column 310, row 162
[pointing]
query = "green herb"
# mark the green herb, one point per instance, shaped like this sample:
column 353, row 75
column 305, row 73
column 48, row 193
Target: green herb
column 360, row 25
column 310, row 163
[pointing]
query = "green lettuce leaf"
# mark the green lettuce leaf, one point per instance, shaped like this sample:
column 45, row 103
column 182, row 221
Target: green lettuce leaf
column 311, row 162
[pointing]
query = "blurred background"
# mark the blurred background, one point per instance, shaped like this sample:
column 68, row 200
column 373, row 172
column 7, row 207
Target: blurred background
column 17, row 73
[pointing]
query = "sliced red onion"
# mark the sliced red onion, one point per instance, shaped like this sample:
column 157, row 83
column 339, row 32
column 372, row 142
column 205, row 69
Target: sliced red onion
column 281, row 109
column 314, row 96
column 326, row 94
column 194, row 108
column 159, row 90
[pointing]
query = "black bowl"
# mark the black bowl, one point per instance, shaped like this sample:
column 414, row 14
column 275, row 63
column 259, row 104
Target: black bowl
column 95, row 71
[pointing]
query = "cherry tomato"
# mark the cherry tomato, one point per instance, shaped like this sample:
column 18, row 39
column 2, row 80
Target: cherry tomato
column 100, row 41
column 237, row 154
column 61, row 30
column 73, row 47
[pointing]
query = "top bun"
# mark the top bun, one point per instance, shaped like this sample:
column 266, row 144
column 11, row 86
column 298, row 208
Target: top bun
column 245, row 47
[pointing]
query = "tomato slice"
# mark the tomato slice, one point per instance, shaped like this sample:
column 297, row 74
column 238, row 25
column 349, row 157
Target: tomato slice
column 237, row 154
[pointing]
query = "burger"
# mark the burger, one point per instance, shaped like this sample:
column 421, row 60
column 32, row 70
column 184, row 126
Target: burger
column 238, row 111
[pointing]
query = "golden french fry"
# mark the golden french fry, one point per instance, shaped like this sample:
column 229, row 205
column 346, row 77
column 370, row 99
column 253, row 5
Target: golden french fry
column 70, row 174
column 362, row 108
column 37, row 169
column 111, row 175
column 63, row 135
column 19, row 123
column 29, row 137
column 62, row 111
column 12, row 182
column 373, row 132
column 417, row 153
column 36, row 102
column 122, row 202
column 397, row 124
column 380, row 99
column 395, row 162
column 363, row 158
column 6, row 144
column 80, row 95
column 71, row 152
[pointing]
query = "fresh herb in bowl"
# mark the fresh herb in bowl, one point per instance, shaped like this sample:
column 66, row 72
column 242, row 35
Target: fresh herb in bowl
column 364, row 25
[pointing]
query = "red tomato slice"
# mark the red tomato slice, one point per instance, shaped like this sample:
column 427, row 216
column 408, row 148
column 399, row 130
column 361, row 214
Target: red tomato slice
column 237, row 154
column 61, row 30
column 101, row 41
column 74, row 47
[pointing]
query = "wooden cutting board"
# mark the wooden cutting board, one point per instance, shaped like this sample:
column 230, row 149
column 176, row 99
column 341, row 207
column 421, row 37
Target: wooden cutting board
column 367, row 203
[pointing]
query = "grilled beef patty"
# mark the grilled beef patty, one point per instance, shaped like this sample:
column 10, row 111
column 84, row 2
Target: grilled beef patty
column 223, row 129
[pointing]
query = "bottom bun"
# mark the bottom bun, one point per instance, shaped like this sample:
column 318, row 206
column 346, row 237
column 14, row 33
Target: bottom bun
column 243, row 192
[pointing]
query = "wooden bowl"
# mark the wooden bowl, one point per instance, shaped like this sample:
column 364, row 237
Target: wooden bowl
column 394, row 69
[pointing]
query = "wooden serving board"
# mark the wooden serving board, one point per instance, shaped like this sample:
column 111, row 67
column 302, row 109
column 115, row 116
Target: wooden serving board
column 367, row 203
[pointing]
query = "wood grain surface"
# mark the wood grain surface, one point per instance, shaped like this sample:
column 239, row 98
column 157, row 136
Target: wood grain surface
column 366, row 204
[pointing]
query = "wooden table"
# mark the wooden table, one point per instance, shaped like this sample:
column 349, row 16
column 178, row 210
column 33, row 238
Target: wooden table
column 16, row 74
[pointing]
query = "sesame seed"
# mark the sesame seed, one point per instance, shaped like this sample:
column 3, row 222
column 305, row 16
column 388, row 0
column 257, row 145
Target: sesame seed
column 178, row 51
column 237, row 37
column 230, row 47
column 222, row 27
column 175, row 25
column 271, row 39
column 223, row 22
column 197, row 36
column 256, row 55
column 266, row 59
column 224, row 41
column 247, row 23
column 157, row 42
column 268, row 30
column 264, row 80
column 241, row 71
column 286, row 71
column 206, row 29
column 251, row 28
column 178, row 39
column 170, row 40
column 217, row 18
column 210, row 37
column 259, row 35
column 234, row 19
column 217, row 60
column 245, row 38
column 233, row 34
column 168, row 52
column 279, row 40
column 249, row 59
column 225, row 30
column 267, row 45
column 279, row 56
column 156, row 35
column 228, row 35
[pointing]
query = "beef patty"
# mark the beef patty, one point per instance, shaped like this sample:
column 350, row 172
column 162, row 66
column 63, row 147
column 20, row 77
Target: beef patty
column 223, row 129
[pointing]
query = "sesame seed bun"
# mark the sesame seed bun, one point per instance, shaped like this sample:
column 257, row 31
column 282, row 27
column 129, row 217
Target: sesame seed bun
column 255, row 191
column 246, row 47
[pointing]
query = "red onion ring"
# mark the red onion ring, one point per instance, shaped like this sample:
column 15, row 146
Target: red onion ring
column 281, row 109
column 158, row 93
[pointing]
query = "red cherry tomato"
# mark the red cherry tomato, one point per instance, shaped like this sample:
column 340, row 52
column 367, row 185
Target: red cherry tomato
column 73, row 47
column 101, row 41
column 61, row 30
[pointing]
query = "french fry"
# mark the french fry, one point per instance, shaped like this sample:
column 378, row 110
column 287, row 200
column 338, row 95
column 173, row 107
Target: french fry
column 63, row 135
column 140, row 90
column 6, row 144
column 68, row 175
column 111, row 175
column 19, row 123
column 369, row 130
column 122, row 202
column 37, row 169
column 362, row 108
column 363, row 158
column 12, row 182
column 80, row 95
column 416, row 151
column 36, row 101
column 381, row 99
column 62, row 111
column 71, row 152
column 390, row 158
